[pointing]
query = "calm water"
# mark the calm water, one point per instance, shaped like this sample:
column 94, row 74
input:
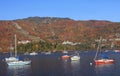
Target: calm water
column 53, row 65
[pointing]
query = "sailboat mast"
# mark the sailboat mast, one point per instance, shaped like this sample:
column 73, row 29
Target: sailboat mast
column 11, row 48
column 98, row 48
column 15, row 46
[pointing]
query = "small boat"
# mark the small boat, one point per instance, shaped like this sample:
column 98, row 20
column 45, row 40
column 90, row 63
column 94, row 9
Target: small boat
column 33, row 53
column 75, row 58
column 116, row 51
column 103, row 57
column 65, row 57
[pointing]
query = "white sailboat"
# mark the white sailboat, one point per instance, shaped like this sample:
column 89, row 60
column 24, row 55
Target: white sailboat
column 15, row 60
column 75, row 57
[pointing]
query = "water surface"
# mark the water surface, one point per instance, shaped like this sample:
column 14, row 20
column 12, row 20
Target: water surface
column 53, row 65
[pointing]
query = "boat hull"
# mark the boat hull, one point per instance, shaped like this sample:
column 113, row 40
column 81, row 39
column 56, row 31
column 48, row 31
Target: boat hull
column 19, row 63
column 65, row 57
column 104, row 61
column 75, row 58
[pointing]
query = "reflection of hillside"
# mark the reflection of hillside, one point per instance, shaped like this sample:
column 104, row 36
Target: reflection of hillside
column 66, row 65
column 75, row 64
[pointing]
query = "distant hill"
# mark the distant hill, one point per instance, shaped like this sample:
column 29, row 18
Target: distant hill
column 37, row 28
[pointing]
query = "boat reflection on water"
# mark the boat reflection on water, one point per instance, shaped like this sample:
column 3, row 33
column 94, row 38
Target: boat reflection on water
column 71, row 68
column 75, row 64
column 101, row 69
column 75, row 67
column 24, row 70
column 66, row 65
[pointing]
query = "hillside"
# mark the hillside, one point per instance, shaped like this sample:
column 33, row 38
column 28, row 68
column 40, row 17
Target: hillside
column 46, row 28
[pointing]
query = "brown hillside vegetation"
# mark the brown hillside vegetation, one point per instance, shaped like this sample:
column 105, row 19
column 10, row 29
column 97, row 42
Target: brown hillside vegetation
column 36, row 28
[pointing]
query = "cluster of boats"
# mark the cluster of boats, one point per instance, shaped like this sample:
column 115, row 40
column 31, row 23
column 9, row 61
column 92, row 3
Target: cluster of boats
column 102, row 59
column 97, row 60
column 14, row 60
column 75, row 57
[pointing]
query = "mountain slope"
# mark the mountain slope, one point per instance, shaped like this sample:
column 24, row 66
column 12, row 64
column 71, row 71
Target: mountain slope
column 45, row 28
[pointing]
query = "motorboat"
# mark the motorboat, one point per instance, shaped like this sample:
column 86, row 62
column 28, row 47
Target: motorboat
column 65, row 57
column 75, row 58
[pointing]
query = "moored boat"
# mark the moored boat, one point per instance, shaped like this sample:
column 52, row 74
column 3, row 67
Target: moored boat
column 65, row 56
column 75, row 58
column 104, row 58
column 33, row 53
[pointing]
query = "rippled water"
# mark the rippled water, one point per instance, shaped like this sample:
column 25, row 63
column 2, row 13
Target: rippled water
column 53, row 65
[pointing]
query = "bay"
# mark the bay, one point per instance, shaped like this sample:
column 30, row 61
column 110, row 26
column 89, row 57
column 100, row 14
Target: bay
column 53, row 65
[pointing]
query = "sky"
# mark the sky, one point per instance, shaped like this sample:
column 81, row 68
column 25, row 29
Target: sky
column 75, row 9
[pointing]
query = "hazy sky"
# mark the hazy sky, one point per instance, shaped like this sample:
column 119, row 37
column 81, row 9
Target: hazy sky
column 74, row 9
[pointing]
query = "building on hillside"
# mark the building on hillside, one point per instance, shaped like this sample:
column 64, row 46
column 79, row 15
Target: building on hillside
column 24, row 42
column 70, row 43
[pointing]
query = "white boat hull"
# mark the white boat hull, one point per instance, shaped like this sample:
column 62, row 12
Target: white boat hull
column 33, row 53
column 74, row 58
column 19, row 63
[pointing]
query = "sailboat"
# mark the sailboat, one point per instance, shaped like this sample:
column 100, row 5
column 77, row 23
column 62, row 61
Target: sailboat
column 104, row 58
column 14, row 60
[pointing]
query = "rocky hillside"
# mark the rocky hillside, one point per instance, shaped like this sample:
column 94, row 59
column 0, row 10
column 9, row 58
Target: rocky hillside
column 52, row 28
